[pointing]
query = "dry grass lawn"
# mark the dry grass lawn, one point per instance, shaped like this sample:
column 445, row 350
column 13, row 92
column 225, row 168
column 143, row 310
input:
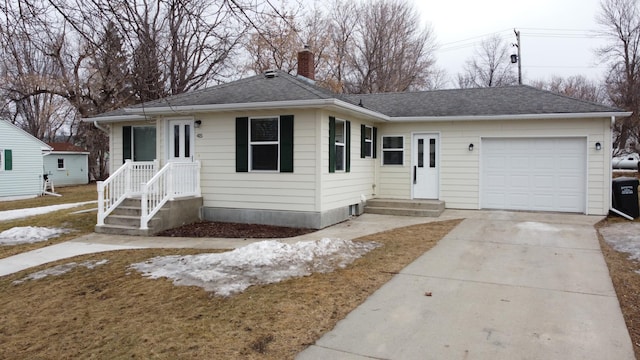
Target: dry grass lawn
column 112, row 312
column 80, row 223
column 626, row 283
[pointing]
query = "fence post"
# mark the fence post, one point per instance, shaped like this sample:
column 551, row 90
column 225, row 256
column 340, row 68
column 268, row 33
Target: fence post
column 170, row 178
column 100, row 203
column 198, row 190
column 127, row 177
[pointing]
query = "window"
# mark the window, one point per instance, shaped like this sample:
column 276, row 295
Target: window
column 392, row 150
column 60, row 164
column 339, row 145
column 264, row 144
column 139, row 143
column 368, row 136
column 6, row 160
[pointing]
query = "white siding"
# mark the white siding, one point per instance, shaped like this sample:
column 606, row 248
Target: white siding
column 75, row 170
column 341, row 188
column 223, row 187
column 460, row 168
column 25, row 178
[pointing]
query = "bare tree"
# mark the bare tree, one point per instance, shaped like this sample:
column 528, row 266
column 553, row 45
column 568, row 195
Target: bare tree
column 391, row 51
column 490, row 66
column 620, row 21
column 577, row 86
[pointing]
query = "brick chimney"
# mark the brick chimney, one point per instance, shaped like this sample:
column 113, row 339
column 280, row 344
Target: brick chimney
column 305, row 63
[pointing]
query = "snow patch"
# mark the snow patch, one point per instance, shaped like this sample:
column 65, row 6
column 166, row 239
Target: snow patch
column 29, row 234
column 61, row 269
column 21, row 213
column 536, row 226
column 263, row 262
column 623, row 237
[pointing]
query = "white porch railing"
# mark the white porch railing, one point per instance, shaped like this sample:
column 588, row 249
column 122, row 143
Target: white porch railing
column 125, row 182
column 176, row 179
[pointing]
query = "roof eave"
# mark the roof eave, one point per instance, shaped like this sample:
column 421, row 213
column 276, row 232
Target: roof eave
column 116, row 118
column 511, row 117
column 291, row 104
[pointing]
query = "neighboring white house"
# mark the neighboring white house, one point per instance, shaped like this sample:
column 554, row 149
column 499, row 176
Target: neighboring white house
column 277, row 149
column 67, row 164
column 21, row 162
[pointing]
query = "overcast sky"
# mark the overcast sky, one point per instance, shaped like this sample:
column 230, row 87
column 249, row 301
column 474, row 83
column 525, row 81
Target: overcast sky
column 557, row 36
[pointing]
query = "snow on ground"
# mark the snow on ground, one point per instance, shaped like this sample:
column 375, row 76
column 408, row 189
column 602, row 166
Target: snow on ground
column 29, row 234
column 624, row 237
column 264, row 262
column 21, row 213
column 61, row 269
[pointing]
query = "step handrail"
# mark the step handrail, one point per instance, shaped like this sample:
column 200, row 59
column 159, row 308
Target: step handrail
column 123, row 183
column 174, row 180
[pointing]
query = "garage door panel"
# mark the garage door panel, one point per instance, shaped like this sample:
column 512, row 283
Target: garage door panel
column 543, row 174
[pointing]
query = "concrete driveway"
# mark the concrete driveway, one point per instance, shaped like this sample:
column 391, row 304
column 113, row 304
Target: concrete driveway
column 503, row 285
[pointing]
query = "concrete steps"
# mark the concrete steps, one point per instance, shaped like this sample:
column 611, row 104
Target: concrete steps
column 125, row 219
column 399, row 207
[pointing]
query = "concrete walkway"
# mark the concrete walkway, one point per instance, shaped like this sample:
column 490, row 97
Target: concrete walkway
column 95, row 243
column 503, row 285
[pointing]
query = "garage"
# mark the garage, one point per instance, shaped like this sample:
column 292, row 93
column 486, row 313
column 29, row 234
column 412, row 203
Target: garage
column 540, row 174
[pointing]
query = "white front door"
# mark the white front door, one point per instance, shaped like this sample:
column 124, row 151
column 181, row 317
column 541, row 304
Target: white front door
column 425, row 166
column 180, row 140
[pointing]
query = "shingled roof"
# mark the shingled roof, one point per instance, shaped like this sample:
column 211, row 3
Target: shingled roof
column 289, row 90
column 510, row 100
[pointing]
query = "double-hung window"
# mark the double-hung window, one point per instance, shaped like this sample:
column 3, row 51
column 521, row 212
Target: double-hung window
column 368, row 136
column 392, row 150
column 339, row 145
column 60, row 163
column 264, row 143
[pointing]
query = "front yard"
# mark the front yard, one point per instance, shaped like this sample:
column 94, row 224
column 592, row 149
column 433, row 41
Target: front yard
column 113, row 312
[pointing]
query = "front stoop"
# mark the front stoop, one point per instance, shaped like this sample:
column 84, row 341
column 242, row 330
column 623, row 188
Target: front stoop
column 125, row 219
column 426, row 208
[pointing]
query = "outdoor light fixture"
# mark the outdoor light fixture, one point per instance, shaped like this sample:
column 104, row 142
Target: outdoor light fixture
column 470, row 147
column 514, row 58
column 198, row 123
column 598, row 146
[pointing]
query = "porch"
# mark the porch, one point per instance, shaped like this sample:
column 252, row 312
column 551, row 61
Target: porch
column 141, row 199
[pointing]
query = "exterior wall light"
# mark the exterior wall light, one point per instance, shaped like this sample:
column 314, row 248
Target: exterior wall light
column 598, row 146
column 198, row 123
column 470, row 147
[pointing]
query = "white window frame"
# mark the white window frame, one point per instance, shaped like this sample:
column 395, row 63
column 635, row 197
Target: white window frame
column 258, row 143
column 368, row 142
column 383, row 149
column 342, row 144
column 58, row 164
column 1, row 160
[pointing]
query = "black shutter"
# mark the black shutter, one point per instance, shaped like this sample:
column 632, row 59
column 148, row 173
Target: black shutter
column 347, row 145
column 286, row 143
column 374, row 135
column 126, row 143
column 332, row 144
column 242, row 144
column 363, row 142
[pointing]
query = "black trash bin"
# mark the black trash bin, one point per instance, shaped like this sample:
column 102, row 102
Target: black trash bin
column 625, row 196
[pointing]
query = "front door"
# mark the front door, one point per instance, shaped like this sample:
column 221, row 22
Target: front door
column 425, row 166
column 181, row 140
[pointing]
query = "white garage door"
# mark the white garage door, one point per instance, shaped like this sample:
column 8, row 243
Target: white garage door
column 542, row 174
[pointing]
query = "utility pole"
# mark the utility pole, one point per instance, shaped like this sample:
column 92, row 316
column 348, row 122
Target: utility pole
column 518, row 59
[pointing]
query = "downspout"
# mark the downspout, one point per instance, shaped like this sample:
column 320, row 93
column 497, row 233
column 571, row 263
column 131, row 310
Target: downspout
column 105, row 130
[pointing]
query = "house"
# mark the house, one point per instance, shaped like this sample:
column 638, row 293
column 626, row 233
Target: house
column 277, row 149
column 67, row 164
column 21, row 163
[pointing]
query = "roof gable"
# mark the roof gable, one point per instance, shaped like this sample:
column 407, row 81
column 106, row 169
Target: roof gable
column 10, row 128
